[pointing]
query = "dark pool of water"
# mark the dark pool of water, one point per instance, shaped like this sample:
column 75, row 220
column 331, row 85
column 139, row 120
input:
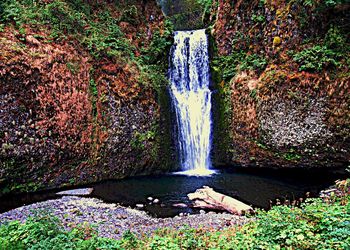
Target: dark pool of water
column 252, row 186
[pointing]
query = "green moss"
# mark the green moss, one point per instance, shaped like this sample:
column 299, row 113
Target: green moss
column 222, row 116
column 93, row 96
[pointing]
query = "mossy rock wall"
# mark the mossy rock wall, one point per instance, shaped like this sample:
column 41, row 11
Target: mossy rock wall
column 285, row 109
column 69, row 116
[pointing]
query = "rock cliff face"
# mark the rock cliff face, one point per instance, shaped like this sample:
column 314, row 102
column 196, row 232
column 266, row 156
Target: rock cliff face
column 83, row 88
column 71, row 116
column 282, row 73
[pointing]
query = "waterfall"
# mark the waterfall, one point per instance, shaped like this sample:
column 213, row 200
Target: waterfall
column 191, row 97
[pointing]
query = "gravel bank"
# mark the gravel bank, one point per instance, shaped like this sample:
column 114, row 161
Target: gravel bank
column 112, row 220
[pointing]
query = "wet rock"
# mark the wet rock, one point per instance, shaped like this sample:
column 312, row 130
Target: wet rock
column 79, row 192
column 155, row 201
column 181, row 205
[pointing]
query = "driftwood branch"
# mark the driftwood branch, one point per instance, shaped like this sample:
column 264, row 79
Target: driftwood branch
column 207, row 198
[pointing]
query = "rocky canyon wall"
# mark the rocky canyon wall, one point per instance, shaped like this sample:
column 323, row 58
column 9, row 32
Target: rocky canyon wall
column 82, row 89
column 281, row 70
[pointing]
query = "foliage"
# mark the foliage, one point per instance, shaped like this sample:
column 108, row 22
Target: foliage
column 90, row 51
column 207, row 4
column 152, row 63
column 228, row 64
column 238, row 60
column 322, row 3
column 254, row 62
column 140, row 138
column 75, row 18
column 160, row 45
column 316, row 224
column 316, row 58
column 45, row 232
column 258, row 18
column 94, row 96
column 104, row 38
column 290, row 156
column 335, row 39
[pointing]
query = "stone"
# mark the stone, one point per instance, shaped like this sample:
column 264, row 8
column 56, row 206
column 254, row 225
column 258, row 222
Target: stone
column 78, row 192
column 140, row 205
column 181, row 205
column 150, row 198
column 155, row 201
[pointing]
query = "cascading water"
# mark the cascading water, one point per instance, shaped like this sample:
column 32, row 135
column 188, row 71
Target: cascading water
column 191, row 97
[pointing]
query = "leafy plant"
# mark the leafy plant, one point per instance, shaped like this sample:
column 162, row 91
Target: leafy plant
column 322, row 4
column 316, row 58
column 336, row 40
column 228, row 64
column 94, row 96
column 139, row 139
column 254, row 61
column 206, row 4
column 258, row 18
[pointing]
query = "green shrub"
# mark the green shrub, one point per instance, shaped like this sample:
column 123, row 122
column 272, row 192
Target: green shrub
column 254, row 62
column 335, row 39
column 206, row 4
column 316, row 58
column 159, row 47
column 152, row 62
column 258, row 18
column 229, row 64
column 322, row 4
column 45, row 232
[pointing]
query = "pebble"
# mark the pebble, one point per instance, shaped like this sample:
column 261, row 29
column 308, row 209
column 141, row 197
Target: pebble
column 113, row 220
column 155, row 201
column 181, row 205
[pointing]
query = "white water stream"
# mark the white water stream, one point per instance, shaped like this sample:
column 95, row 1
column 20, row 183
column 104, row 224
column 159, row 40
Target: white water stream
column 191, row 97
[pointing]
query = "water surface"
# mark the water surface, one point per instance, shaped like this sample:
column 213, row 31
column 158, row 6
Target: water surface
column 252, row 186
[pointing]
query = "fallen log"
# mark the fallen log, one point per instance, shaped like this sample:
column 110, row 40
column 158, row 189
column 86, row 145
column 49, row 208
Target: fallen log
column 207, row 198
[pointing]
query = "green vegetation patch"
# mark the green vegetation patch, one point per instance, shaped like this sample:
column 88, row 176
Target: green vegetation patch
column 239, row 60
column 316, row 58
column 97, row 28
